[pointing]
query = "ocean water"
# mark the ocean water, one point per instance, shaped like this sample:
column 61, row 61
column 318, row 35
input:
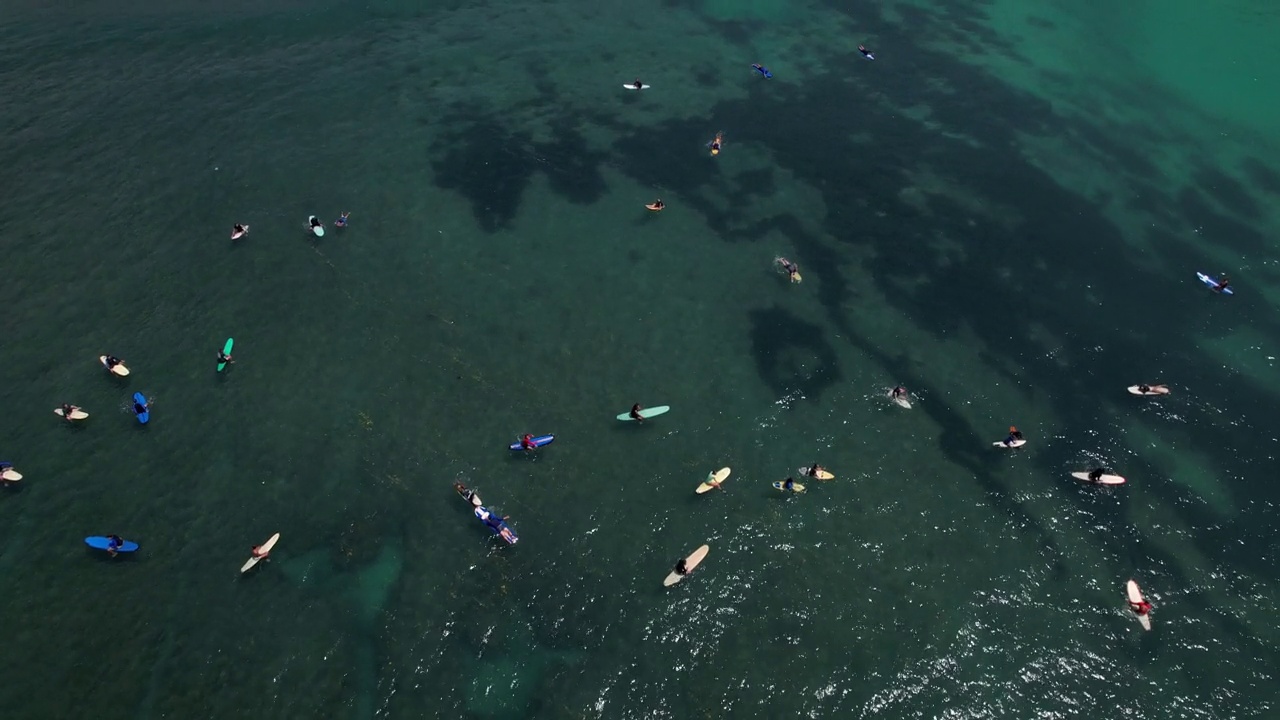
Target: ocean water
column 1004, row 212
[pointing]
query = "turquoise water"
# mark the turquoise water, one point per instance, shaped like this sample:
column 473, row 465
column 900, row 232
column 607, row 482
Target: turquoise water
column 1005, row 223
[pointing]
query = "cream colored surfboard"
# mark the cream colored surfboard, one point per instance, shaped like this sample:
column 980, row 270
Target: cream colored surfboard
column 713, row 480
column 1135, row 596
column 76, row 414
column 690, row 563
column 265, row 548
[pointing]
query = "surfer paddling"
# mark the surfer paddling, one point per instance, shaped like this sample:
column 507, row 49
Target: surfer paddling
column 866, row 53
column 792, row 269
column 468, row 494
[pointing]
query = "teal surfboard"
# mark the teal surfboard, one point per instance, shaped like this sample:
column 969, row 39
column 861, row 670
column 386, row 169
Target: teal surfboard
column 646, row 413
column 226, row 350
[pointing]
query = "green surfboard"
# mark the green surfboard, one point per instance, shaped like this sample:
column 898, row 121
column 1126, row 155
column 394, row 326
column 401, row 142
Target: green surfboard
column 226, row 350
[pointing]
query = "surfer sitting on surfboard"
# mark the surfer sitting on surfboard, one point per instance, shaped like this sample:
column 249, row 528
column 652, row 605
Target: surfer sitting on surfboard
column 897, row 392
column 1222, row 283
column 526, row 443
column 715, row 144
column 680, row 568
column 112, row 361
column 67, row 409
column 789, row 484
column 259, row 553
column 1095, row 476
column 635, row 413
column 637, row 84
column 114, row 543
column 813, row 471
column 341, row 221
column 656, row 205
column 316, row 223
column 1141, row 607
column 1014, row 434
column 239, row 230
column 224, row 358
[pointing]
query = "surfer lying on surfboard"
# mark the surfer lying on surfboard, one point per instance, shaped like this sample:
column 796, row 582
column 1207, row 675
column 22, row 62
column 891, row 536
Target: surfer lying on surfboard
column 259, row 553
column 656, row 205
column 865, row 52
column 1223, row 283
column 793, row 270
column 1141, row 607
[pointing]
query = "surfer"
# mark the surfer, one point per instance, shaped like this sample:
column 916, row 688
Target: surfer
column 761, row 69
column 112, row 361
column 139, row 408
column 114, row 543
column 239, row 230
column 224, row 358
column 1153, row 389
column 865, row 52
column 527, row 444
column 467, row 494
column 897, row 392
column 1142, row 607
column 789, row 484
column 1222, row 284
column 793, row 270
column 493, row 520
column 1095, row 476
column 635, row 413
column 314, row 223
column 341, row 221
column 813, row 470
column 1014, row 434
column 258, row 553
column 67, row 409
column 716, row 143
column 637, row 84
column 656, row 205
column 681, row 569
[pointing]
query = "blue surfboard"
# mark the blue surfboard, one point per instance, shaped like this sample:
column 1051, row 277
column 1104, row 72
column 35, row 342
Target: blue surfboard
column 503, row 530
column 762, row 70
column 1212, row 282
column 100, row 543
column 140, row 408
column 538, row 441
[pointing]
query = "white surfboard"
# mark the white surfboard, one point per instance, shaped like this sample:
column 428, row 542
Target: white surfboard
column 1104, row 480
column 1154, row 390
column 11, row 475
column 646, row 413
column 265, row 548
column 713, row 481
column 822, row 474
column 76, row 414
column 690, row 563
column 631, row 86
column 317, row 229
column 119, row 369
column 1014, row 444
column 1135, row 596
